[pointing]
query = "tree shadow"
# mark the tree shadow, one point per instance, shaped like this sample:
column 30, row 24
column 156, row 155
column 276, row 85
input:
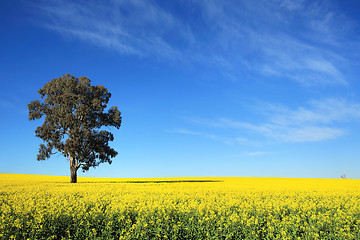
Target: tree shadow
column 160, row 181
column 174, row 181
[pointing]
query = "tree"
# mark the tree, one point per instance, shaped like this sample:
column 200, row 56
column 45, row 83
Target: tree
column 75, row 117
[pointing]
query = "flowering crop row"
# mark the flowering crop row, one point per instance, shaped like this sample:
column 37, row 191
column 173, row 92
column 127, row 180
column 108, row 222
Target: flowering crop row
column 45, row 207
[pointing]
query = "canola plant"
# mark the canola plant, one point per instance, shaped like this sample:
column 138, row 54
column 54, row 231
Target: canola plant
column 48, row 207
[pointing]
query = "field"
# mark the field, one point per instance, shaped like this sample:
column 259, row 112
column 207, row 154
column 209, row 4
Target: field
column 48, row 207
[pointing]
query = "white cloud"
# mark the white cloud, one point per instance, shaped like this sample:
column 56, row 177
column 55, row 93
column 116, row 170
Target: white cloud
column 277, row 38
column 128, row 27
column 287, row 133
column 283, row 38
column 14, row 105
column 189, row 132
column 318, row 121
column 286, row 57
column 307, row 134
column 6, row 104
column 291, row 4
column 327, row 111
column 225, row 140
column 257, row 153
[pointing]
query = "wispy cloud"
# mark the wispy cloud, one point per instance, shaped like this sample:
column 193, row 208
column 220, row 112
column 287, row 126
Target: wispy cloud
column 283, row 39
column 288, row 58
column 6, row 104
column 327, row 111
column 294, row 134
column 189, row 132
column 220, row 138
column 128, row 27
column 295, row 40
column 257, row 153
column 13, row 104
column 319, row 121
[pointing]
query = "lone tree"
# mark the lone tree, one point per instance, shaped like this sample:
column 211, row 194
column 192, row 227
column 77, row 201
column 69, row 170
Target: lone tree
column 74, row 123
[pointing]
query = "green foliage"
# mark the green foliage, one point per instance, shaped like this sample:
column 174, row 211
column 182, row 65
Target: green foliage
column 74, row 113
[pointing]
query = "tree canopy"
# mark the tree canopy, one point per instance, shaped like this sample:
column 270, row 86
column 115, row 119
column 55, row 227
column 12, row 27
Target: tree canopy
column 75, row 115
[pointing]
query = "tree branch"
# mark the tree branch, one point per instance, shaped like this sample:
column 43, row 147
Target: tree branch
column 79, row 165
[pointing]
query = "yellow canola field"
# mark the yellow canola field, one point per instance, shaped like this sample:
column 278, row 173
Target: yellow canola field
column 48, row 207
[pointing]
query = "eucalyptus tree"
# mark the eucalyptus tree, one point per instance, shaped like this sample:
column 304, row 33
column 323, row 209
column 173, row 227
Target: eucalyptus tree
column 75, row 117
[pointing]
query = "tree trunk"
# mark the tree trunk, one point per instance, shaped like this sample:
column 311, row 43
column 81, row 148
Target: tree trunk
column 73, row 170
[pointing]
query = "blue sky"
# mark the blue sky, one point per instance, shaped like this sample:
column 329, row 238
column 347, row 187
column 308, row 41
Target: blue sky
column 206, row 87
